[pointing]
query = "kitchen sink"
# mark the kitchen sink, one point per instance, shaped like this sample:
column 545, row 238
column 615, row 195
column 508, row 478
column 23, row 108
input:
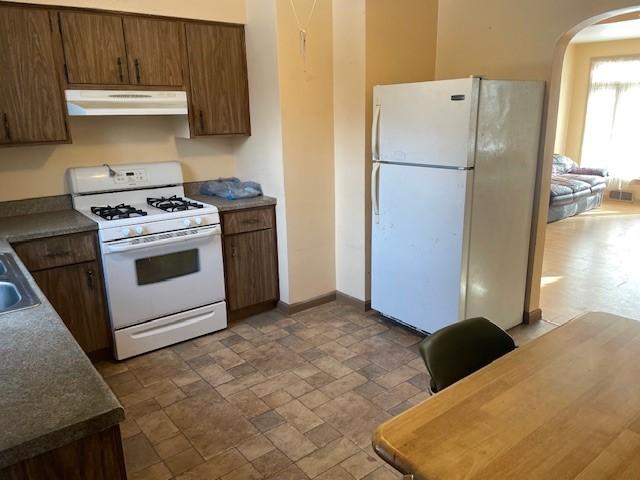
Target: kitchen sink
column 15, row 292
column 9, row 295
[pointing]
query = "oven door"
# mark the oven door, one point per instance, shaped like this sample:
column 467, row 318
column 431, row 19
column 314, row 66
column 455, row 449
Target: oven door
column 157, row 275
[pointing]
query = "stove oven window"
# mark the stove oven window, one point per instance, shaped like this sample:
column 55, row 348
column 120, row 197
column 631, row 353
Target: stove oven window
column 165, row 267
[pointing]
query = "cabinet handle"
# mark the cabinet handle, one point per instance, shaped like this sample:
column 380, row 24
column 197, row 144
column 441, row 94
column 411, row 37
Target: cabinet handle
column 90, row 279
column 201, row 121
column 136, row 62
column 120, row 69
column 234, row 252
column 7, row 129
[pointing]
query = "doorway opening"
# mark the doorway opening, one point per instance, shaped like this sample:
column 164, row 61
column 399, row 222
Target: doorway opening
column 591, row 253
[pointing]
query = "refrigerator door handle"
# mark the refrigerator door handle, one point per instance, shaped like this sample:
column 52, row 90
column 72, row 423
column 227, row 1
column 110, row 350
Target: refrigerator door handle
column 375, row 134
column 375, row 184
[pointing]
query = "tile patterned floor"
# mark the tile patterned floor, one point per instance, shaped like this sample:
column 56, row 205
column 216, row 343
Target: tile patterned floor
column 272, row 397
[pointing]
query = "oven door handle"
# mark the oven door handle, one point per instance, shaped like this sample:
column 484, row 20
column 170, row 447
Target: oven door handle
column 121, row 248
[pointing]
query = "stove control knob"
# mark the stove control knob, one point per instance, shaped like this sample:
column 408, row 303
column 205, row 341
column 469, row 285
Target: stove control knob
column 198, row 220
column 187, row 222
column 139, row 230
column 126, row 231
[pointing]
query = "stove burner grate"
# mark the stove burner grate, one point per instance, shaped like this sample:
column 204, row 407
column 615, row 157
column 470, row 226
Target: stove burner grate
column 118, row 212
column 173, row 204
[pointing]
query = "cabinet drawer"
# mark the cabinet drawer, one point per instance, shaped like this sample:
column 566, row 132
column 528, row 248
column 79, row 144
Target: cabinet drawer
column 248, row 220
column 57, row 251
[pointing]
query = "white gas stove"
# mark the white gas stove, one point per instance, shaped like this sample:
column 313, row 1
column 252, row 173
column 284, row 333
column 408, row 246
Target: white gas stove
column 161, row 254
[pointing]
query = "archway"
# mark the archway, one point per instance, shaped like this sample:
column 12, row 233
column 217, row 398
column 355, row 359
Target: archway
column 541, row 207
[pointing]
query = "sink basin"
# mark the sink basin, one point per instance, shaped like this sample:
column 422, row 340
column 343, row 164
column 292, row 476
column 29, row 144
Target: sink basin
column 15, row 291
column 9, row 295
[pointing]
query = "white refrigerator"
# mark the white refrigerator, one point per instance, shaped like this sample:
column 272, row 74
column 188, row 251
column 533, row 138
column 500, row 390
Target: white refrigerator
column 453, row 178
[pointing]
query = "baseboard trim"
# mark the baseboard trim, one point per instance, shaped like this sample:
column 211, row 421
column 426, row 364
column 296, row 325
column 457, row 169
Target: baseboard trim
column 290, row 309
column 532, row 316
column 353, row 301
column 252, row 310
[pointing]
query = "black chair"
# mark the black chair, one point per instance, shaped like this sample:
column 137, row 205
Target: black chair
column 460, row 349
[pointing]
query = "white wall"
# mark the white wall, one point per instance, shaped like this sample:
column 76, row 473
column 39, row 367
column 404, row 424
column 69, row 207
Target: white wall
column 349, row 149
column 260, row 157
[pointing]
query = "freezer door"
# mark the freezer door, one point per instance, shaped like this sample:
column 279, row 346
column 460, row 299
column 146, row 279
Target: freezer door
column 420, row 244
column 427, row 123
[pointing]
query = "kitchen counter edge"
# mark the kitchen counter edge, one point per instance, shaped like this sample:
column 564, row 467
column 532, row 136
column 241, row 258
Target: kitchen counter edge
column 96, row 406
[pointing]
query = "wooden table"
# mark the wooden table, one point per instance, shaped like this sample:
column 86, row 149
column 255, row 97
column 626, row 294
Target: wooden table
column 566, row 405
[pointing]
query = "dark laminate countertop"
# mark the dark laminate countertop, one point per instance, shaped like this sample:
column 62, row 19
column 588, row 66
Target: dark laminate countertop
column 230, row 205
column 50, row 393
column 20, row 228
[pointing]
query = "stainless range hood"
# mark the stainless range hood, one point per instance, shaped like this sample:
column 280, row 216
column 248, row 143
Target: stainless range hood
column 125, row 102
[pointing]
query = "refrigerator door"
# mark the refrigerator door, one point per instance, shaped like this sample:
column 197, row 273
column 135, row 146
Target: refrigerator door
column 419, row 248
column 428, row 123
column 510, row 116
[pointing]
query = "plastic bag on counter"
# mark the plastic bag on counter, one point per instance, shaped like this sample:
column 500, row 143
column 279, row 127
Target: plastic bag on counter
column 231, row 188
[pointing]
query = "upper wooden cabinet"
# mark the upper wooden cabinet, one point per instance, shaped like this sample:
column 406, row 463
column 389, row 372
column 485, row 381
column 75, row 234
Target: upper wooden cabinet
column 45, row 50
column 106, row 49
column 31, row 104
column 154, row 50
column 94, row 48
column 219, row 86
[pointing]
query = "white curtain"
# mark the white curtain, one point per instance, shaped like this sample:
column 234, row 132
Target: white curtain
column 612, row 124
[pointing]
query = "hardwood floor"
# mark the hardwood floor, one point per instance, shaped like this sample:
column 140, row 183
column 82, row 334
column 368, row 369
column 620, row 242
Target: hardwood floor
column 591, row 264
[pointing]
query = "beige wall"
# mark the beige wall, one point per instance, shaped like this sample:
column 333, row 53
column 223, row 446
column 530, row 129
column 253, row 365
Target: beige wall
column 566, row 98
column 519, row 40
column 307, row 134
column 259, row 157
column 349, row 99
column 573, row 98
column 217, row 10
column 375, row 42
column 27, row 172
column 400, row 48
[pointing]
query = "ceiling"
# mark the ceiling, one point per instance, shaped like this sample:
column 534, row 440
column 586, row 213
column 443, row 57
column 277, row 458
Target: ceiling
column 611, row 30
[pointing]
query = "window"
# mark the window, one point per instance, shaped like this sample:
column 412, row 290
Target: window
column 165, row 267
column 611, row 134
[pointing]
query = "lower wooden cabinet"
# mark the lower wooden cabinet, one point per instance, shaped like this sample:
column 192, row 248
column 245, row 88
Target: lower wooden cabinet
column 250, row 261
column 68, row 271
column 75, row 291
column 96, row 457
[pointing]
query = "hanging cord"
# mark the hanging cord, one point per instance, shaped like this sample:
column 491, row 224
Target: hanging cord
column 303, row 30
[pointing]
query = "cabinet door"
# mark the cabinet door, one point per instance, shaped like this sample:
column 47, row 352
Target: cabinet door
column 31, row 105
column 251, row 268
column 154, row 49
column 94, row 49
column 218, row 72
column 76, row 293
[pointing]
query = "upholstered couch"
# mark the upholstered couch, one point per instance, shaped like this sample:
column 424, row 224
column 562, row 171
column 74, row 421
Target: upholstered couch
column 574, row 189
